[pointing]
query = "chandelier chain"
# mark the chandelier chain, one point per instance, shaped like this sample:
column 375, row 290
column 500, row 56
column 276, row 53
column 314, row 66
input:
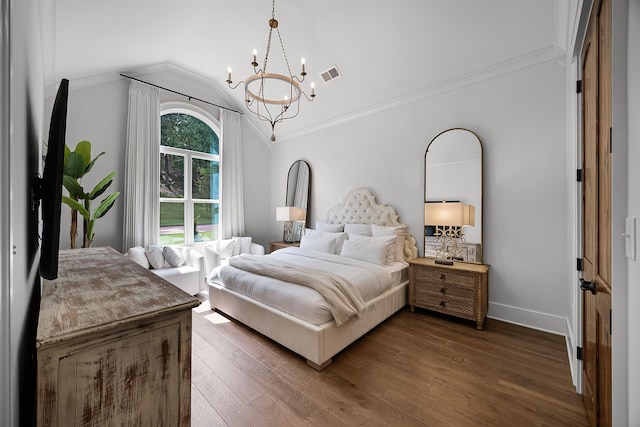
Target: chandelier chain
column 284, row 53
column 266, row 56
column 273, row 17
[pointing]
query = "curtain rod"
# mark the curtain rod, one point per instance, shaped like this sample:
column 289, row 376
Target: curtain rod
column 183, row 94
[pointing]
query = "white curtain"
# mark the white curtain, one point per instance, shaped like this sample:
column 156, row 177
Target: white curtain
column 231, row 183
column 142, row 167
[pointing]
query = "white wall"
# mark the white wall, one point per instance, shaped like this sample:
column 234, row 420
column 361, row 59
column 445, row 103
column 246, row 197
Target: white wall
column 98, row 113
column 520, row 118
column 633, row 289
column 20, row 143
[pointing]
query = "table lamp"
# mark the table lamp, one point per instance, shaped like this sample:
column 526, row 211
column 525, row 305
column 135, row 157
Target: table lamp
column 289, row 215
column 449, row 218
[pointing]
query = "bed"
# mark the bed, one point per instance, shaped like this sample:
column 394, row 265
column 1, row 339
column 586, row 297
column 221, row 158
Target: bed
column 305, row 325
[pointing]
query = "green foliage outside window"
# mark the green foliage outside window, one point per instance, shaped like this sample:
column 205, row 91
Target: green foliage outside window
column 187, row 132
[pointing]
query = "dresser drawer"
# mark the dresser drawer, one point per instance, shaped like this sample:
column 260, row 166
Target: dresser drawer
column 445, row 303
column 445, row 289
column 443, row 276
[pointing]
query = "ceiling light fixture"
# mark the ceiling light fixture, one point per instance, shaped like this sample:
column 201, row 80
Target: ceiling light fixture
column 263, row 91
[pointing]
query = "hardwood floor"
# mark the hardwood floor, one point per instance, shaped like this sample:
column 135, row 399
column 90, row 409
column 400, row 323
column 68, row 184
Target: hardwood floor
column 415, row 369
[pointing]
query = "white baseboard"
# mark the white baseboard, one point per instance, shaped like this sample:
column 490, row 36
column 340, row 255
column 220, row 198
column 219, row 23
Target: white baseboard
column 575, row 365
column 545, row 322
column 531, row 319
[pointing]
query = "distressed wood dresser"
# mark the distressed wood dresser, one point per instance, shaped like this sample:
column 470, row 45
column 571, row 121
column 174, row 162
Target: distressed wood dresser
column 113, row 344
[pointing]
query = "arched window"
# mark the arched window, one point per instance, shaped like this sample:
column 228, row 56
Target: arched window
column 189, row 177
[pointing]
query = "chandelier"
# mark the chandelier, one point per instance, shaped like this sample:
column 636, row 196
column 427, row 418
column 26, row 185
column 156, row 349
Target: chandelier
column 273, row 97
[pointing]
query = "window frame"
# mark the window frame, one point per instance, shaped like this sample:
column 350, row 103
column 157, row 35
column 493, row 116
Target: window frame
column 188, row 201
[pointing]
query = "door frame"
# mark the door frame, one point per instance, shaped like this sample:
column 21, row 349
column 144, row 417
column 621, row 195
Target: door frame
column 619, row 211
column 619, row 208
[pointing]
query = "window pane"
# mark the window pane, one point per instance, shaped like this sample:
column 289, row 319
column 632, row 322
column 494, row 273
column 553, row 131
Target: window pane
column 171, row 176
column 171, row 223
column 205, row 222
column 205, row 176
column 185, row 131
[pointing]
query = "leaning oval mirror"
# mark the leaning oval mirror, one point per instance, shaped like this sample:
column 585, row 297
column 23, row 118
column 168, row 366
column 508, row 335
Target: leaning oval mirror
column 299, row 191
column 453, row 175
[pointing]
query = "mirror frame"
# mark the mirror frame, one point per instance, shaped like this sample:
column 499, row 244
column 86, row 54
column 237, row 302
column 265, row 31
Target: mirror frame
column 480, row 211
column 287, row 202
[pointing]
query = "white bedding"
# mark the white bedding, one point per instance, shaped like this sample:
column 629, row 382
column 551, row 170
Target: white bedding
column 305, row 303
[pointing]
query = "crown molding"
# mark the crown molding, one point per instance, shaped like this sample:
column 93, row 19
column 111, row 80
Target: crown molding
column 548, row 54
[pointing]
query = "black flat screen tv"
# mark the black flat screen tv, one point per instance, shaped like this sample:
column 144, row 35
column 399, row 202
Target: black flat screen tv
column 50, row 185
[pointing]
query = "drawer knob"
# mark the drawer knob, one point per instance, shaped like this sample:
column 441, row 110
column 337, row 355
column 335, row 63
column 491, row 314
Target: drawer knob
column 443, row 290
column 442, row 277
column 442, row 304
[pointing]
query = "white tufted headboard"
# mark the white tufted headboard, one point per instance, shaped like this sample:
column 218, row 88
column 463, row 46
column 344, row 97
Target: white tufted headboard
column 361, row 207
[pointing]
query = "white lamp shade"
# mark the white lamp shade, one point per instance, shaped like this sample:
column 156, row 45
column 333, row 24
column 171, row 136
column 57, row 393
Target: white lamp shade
column 451, row 214
column 290, row 213
column 470, row 215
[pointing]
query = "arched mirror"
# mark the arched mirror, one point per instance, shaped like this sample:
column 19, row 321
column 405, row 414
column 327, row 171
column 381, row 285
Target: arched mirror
column 299, row 192
column 453, row 197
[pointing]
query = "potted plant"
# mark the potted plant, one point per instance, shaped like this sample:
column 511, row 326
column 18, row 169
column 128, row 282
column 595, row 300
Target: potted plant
column 77, row 164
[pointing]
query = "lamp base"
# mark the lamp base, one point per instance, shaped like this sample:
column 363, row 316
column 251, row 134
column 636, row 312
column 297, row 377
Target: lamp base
column 443, row 261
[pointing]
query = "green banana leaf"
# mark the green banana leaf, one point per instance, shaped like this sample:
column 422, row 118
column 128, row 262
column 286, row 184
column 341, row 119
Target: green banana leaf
column 74, row 166
column 91, row 163
column 105, row 205
column 102, row 186
column 73, row 204
column 90, row 233
column 83, row 148
column 73, row 187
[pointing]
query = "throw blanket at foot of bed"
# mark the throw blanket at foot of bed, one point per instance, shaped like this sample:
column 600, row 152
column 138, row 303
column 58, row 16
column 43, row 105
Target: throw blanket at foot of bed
column 343, row 298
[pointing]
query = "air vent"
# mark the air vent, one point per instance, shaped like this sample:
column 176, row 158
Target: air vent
column 331, row 74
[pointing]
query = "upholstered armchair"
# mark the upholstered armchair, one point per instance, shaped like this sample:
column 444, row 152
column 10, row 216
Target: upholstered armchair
column 217, row 254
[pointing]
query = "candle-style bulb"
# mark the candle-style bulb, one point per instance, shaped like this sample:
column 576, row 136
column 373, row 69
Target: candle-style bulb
column 229, row 75
column 255, row 58
column 313, row 90
column 303, row 73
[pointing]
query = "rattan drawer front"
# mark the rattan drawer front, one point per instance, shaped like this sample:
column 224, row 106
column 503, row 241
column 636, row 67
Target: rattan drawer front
column 445, row 289
column 441, row 276
column 444, row 303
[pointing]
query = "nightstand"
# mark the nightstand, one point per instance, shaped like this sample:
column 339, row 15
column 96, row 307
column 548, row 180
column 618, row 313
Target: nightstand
column 274, row 246
column 460, row 289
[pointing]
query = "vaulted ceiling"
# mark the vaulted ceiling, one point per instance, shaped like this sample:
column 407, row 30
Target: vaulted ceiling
column 388, row 52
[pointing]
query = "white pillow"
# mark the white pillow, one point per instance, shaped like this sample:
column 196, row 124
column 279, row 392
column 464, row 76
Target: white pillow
column 372, row 252
column 226, row 248
column 318, row 243
column 138, row 256
column 173, row 256
column 359, row 229
column 155, row 256
column 388, row 241
column 338, row 237
column 331, row 228
column 242, row 246
column 398, row 231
